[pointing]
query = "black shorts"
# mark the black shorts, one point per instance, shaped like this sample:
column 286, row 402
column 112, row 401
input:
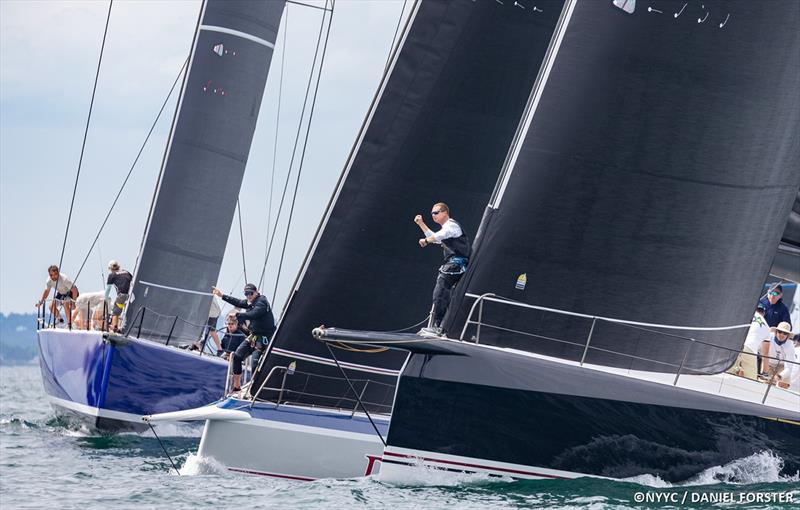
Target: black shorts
column 64, row 297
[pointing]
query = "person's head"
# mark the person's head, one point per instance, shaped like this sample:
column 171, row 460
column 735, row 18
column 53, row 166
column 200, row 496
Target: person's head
column 774, row 294
column 53, row 272
column 760, row 308
column 250, row 292
column 782, row 332
column 231, row 323
column 113, row 265
column 440, row 213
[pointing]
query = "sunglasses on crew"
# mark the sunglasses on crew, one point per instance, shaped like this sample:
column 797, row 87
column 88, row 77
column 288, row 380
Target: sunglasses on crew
column 249, row 293
column 779, row 332
column 774, row 293
column 435, row 213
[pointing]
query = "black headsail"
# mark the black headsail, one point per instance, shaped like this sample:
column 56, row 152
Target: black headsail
column 438, row 130
column 203, row 166
column 653, row 178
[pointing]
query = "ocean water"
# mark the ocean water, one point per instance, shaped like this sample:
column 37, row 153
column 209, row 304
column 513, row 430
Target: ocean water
column 48, row 463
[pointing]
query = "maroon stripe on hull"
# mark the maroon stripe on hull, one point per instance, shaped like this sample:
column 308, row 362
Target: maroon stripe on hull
column 477, row 466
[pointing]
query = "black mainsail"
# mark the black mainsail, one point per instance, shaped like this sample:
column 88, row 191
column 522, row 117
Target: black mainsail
column 203, row 166
column 654, row 175
column 438, row 129
column 651, row 181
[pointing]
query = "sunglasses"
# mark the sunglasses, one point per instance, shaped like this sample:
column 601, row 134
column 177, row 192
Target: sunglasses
column 779, row 332
column 249, row 293
column 774, row 293
column 434, row 213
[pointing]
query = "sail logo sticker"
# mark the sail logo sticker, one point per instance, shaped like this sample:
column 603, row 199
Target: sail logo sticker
column 219, row 49
column 626, row 5
column 522, row 280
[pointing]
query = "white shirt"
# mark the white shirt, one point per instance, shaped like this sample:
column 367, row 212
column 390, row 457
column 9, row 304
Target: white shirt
column 64, row 284
column 92, row 299
column 783, row 352
column 758, row 333
column 450, row 229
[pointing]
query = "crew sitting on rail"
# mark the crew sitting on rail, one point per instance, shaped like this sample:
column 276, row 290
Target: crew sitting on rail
column 774, row 352
column 92, row 304
column 261, row 328
column 233, row 337
column 65, row 293
column 121, row 280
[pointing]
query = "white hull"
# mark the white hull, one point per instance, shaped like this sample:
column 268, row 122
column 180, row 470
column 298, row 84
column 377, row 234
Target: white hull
column 295, row 443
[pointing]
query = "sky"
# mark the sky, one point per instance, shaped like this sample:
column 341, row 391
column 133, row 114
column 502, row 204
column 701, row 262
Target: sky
column 48, row 57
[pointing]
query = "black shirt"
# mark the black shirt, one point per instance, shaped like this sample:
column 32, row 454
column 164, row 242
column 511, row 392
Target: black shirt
column 259, row 313
column 121, row 280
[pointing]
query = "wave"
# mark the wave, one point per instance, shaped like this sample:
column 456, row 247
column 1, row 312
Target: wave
column 196, row 465
column 424, row 475
column 761, row 467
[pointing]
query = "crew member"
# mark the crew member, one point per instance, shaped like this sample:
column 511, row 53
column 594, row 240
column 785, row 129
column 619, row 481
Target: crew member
column 261, row 327
column 120, row 279
column 456, row 248
column 66, row 292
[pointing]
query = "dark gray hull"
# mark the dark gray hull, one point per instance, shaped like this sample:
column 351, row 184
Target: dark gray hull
column 485, row 403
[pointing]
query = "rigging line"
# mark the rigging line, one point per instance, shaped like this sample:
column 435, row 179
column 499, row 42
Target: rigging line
column 303, row 152
column 130, row 171
column 275, row 147
column 363, row 408
column 241, row 238
column 163, row 448
column 294, row 148
column 394, row 37
column 83, row 145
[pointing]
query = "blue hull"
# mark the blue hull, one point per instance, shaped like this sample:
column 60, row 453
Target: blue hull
column 109, row 382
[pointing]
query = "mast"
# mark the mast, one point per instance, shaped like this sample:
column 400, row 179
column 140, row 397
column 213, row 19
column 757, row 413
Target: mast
column 650, row 181
column 437, row 130
column 203, row 167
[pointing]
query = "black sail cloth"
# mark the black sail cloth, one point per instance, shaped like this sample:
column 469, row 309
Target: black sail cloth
column 653, row 185
column 203, row 167
column 438, row 129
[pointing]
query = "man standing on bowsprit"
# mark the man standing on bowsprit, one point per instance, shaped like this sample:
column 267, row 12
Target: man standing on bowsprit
column 456, row 247
column 261, row 328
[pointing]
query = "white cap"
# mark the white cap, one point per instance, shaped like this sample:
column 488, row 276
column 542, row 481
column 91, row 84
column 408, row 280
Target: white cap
column 113, row 265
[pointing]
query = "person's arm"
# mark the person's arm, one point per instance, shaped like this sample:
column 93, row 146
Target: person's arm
column 237, row 303
column 785, row 315
column 764, row 353
column 422, row 226
column 788, row 368
column 448, row 230
column 259, row 308
column 44, row 296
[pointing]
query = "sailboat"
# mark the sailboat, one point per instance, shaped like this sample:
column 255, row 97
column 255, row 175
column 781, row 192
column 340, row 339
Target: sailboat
column 109, row 380
column 619, row 259
column 438, row 129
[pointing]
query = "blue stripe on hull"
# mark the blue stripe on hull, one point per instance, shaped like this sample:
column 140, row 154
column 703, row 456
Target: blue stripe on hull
column 126, row 375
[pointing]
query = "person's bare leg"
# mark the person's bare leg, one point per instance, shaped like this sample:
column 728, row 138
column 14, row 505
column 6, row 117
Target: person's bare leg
column 237, row 381
column 215, row 336
column 68, row 311
column 54, row 311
